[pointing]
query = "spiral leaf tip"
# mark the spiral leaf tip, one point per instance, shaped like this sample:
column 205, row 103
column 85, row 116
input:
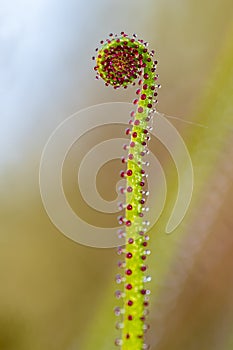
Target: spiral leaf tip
column 121, row 60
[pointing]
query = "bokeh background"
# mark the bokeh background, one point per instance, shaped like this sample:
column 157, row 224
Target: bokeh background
column 54, row 293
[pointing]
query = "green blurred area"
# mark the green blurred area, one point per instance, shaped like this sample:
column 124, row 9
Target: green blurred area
column 57, row 294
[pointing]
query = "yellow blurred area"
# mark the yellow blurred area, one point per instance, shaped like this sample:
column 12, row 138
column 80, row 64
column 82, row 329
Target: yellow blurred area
column 56, row 294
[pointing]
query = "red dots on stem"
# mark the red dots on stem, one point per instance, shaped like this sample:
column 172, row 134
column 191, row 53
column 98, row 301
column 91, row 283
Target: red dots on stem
column 143, row 97
column 128, row 223
column 140, row 109
column 129, row 286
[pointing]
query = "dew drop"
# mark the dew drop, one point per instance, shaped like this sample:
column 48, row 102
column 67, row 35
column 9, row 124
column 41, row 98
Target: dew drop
column 118, row 342
column 119, row 325
column 119, row 294
column 120, row 250
column 117, row 311
column 121, row 189
column 119, row 279
column 147, row 279
column 121, row 233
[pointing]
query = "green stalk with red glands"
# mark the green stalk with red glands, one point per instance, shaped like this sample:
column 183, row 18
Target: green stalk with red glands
column 119, row 62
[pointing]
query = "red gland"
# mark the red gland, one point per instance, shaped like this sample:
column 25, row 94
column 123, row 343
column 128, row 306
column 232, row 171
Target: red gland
column 143, row 97
column 130, row 317
column 130, row 240
column 128, row 223
column 132, row 144
column 127, row 336
column 130, row 303
column 132, row 114
column 134, row 134
column 130, row 156
column 129, row 286
column 129, row 207
column 127, row 131
column 129, row 255
column 128, row 272
column 129, row 172
column 140, row 109
column 122, row 174
column 143, row 291
column 143, row 268
column 121, row 220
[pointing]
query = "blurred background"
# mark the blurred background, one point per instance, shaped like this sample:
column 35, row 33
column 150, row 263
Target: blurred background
column 54, row 293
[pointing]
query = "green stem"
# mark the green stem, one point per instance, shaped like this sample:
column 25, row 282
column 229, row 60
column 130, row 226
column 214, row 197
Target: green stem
column 136, row 298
